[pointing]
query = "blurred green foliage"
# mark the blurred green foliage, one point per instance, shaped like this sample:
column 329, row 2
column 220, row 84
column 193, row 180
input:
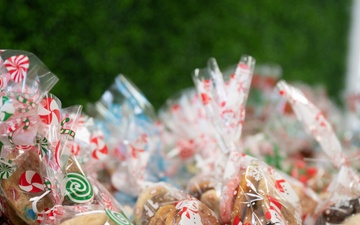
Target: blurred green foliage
column 157, row 44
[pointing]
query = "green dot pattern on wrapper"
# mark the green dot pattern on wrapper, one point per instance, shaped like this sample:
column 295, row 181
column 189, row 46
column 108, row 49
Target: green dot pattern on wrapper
column 118, row 218
column 6, row 169
column 78, row 188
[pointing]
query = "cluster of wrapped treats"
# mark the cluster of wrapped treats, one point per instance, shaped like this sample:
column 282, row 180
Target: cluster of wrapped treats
column 197, row 161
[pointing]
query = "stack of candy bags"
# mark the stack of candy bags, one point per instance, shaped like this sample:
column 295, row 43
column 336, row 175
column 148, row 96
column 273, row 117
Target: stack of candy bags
column 199, row 160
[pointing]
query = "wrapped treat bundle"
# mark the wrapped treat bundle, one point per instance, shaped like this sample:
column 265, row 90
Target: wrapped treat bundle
column 40, row 177
column 341, row 202
column 253, row 192
column 189, row 137
column 198, row 162
column 128, row 122
column 163, row 204
column 261, row 100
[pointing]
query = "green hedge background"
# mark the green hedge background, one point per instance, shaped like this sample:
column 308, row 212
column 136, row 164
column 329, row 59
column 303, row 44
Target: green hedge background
column 157, row 44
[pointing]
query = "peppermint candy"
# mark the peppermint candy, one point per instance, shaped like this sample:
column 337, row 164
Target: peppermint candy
column 49, row 111
column 17, row 66
column 98, row 148
column 43, row 146
column 6, row 169
column 7, row 109
column 30, row 181
column 118, row 218
column 78, row 188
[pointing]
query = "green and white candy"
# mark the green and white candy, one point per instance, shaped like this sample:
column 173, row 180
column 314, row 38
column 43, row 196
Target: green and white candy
column 7, row 109
column 118, row 218
column 6, row 169
column 78, row 188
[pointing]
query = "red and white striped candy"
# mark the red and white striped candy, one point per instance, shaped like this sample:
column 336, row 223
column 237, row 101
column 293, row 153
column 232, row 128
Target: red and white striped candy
column 98, row 148
column 57, row 153
column 30, row 181
column 49, row 111
column 17, row 66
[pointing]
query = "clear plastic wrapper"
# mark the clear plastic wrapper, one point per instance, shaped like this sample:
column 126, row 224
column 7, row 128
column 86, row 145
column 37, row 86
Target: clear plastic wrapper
column 344, row 190
column 223, row 97
column 89, row 146
column 163, row 204
column 190, row 146
column 253, row 192
column 40, row 178
column 129, row 125
column 258, row 194
column 103, row 209
column 24, row 81
column 260, row 104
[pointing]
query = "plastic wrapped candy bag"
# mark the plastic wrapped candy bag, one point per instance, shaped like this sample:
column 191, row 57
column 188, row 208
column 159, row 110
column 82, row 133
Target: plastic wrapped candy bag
column 103, row 209
column 343, row 192
column 253, row 192
column 89, row 146
column 24, row 82
column 129, row 125
column 259, row 195
column 192, row 145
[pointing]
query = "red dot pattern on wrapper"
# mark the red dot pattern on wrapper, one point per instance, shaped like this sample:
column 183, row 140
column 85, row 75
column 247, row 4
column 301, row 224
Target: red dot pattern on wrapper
column 17, row 66
column 205, row 98
column 75, row 149
column 30, row 181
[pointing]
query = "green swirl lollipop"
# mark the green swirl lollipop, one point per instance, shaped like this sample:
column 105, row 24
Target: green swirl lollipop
column 78, row 188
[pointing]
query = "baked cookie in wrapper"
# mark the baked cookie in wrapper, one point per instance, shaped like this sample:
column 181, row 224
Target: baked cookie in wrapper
column 163, row 204
column 342, row 195
column 24, row 82
column 258, row 194
column 207, row 189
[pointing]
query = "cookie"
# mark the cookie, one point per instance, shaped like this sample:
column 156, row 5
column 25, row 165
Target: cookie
column 203, row 188
column 150, row 200
column 163, row 204
column 338, row 214
column 164, row 215
column 89, row 219
column 352, row 220
column 249, row 199
column 17, row 198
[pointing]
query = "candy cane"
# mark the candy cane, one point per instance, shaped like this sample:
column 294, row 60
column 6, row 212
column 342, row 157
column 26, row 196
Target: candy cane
column 14, row 125
column 29, row 104
column 69, row 132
